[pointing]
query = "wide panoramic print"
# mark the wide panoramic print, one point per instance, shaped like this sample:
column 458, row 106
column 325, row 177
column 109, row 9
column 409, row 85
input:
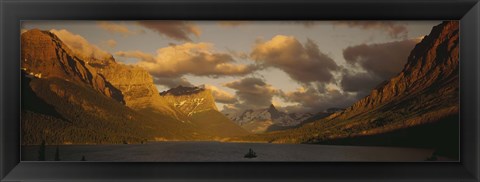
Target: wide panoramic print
column 250, row 91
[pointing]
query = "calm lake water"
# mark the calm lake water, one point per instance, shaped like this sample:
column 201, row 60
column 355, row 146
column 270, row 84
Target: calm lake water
column 221, row 152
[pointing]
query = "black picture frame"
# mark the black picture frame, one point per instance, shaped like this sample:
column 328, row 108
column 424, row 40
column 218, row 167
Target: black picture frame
column 13, row 11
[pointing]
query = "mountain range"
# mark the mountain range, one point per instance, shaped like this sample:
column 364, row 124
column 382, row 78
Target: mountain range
column 271, row 119
column 69, row 99
column 100, row 101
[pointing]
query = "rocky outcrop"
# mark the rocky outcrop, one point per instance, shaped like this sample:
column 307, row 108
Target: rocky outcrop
column 190, row 100
column 135, row 84
column 43, row 55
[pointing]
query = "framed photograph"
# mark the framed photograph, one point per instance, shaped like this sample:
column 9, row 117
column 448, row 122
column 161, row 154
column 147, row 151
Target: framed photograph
column 239, row 90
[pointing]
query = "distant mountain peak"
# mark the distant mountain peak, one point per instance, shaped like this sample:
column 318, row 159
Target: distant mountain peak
column 272, row 107
column 274, row 113
column 190, row 100
column 259, row 120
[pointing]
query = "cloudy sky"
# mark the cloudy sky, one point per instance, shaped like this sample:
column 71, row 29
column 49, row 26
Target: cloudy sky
column 299, row 66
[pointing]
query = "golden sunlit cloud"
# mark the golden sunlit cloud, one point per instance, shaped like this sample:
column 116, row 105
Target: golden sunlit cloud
column 136, row 54
column 220, row 95
column 80, row 46
column 303, row 63
column 197, row 59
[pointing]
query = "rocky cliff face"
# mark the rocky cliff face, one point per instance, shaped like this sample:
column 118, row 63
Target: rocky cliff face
column 134, row 83
column 433, row 62
column 425, row 91
column 190, row 100
column 43, row 55
column 137, row 88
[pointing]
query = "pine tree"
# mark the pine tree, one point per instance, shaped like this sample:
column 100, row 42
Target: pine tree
column 41, row 151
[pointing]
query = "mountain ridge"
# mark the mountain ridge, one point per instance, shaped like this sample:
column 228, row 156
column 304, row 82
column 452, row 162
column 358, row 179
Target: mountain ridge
column 261, row 120
column 417, row 75
column 199, row 104
column 129, row 108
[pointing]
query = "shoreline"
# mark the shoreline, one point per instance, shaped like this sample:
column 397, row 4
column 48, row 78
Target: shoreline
column 230, row 152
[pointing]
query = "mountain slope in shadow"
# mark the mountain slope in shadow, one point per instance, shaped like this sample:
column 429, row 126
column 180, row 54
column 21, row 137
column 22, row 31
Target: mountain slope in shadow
column 425, row 92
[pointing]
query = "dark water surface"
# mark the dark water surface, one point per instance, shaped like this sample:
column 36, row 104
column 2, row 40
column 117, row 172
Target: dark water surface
column 221, row 152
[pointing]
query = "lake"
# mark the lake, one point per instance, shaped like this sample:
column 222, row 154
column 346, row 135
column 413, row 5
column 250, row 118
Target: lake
column 229, row 152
